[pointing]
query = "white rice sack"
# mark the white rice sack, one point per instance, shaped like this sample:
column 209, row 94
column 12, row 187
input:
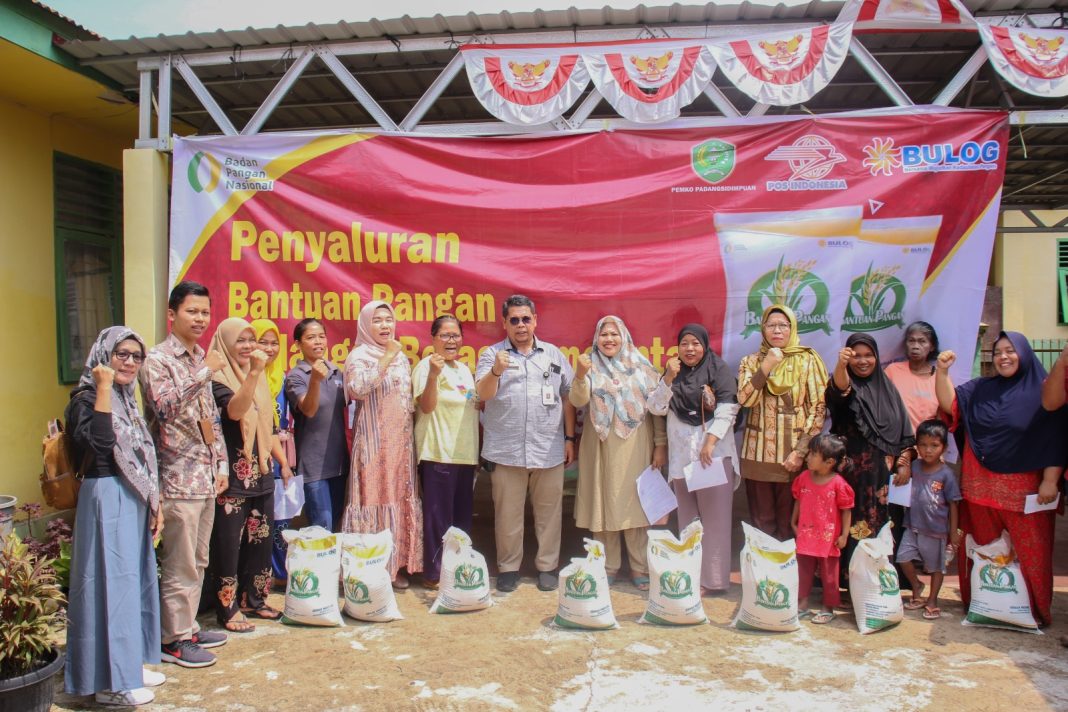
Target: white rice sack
column 769, row 583
column 464, row 583
column 999, row 592
column 584, row 602
column 674, row 577
column 313, row 562
column 365, row 577
column 873, row 583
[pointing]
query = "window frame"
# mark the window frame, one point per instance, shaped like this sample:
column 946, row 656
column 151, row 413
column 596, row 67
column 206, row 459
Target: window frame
column 66, row 233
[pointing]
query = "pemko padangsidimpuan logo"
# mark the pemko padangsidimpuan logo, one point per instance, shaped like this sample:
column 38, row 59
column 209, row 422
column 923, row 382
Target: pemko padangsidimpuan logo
column 205, row 173
column 884, row 158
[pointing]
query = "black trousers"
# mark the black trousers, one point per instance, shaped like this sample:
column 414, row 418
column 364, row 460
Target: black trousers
column 240, row 558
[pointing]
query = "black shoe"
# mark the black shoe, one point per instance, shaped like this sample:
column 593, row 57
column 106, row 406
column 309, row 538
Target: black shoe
column 548, row 580
column 507, row 581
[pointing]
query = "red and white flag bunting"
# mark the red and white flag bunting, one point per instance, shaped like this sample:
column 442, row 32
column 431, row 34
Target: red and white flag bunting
column 915, row 15
column 785, row 67
column 1034, row 61
column 527, row 86
column 650, row 81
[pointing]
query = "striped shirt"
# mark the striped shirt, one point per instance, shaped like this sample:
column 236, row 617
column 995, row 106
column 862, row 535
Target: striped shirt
column 518, row 429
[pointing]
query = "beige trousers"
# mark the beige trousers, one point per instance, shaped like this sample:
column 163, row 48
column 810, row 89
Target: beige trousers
column 637, row 541
column 183, row 557
column 510, row 485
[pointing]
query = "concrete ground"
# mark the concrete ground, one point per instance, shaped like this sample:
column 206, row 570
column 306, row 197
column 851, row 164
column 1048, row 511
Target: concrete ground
column 510, row 657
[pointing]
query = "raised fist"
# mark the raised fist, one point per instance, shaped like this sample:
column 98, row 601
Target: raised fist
column 103, row 376
column 214, row 360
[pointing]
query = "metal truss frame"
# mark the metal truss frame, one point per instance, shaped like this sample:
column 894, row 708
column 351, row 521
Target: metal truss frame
column 156, row 73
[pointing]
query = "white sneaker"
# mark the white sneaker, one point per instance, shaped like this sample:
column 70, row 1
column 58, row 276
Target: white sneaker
column 152, row 678
column 125, row 698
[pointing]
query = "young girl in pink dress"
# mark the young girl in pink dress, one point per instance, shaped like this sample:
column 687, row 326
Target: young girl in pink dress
column 822, row 514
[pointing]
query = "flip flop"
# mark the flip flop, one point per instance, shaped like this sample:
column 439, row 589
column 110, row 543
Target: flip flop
column 265, row 612
column 239, row 626
column 823, row 617
column 932, row 614
column 641, row 583
column 915, row 604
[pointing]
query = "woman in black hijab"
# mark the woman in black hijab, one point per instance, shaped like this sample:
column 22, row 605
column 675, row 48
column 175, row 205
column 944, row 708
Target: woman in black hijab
column 866, row 409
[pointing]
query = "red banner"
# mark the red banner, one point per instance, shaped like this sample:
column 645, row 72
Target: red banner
column 623, row 222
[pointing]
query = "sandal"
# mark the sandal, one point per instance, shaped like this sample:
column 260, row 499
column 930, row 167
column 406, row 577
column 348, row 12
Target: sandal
column 823, row 617
column 265, row 612
column 641, row 583
column 401, row 582
column 915, row 604
column 611, row 577
column 239, row 624
column 932, row 613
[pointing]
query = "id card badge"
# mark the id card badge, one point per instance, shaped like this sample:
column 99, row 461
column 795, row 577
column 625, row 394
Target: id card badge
column 548, row 396
column 207, row 430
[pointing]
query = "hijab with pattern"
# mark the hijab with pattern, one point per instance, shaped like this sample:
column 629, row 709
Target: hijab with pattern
column 876, row 405
column 789, row 375
column 257, row 424
column 621, row 384
column 1004, row 420
column 134, row 451
column 688, row 387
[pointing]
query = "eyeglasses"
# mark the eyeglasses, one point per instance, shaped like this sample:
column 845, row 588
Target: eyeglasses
column 125, row 356
column 450, row 337
column 517, row 320
column 777, row 327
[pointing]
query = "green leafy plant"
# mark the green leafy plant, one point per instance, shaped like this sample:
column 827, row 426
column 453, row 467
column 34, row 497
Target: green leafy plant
column 30, row 608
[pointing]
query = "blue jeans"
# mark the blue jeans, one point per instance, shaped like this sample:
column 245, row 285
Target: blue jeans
column 324, row 502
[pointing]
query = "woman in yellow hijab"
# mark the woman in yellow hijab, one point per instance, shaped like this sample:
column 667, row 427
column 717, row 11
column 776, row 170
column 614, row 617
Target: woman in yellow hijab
column 783, row 387
column 269, row 339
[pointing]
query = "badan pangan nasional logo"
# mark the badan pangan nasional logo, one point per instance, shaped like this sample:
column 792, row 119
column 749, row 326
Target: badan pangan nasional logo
column 876, row 301
column 205, row 173
column 810, row 159
column 796, row 286
column 713, row 160
column 884, row 158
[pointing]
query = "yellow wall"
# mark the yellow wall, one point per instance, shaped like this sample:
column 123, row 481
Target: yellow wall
column 1025, row 267
column 32, row 393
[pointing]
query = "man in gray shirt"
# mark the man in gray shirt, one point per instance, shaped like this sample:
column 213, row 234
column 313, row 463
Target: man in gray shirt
column 528, row 433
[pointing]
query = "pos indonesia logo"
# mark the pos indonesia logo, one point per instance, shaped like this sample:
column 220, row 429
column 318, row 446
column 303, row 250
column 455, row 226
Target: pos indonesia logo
column 203, row 172
column 713, row 160
column 876, row 301
column 796, row 286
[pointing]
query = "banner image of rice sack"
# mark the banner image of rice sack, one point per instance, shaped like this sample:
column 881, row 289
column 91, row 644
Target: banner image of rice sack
column 890, row 262
column 802, row 259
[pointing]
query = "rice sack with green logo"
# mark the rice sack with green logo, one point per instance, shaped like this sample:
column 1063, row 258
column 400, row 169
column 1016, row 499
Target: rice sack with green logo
column 769, row 583
column 365, row 577
column 464, row 583
column 583, row 599
column 313, row 562
column 999, row 592
column 675, row 577
column 873, row 583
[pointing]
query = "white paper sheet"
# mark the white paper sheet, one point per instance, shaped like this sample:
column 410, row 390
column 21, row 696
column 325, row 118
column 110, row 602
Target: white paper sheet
column 655, row 495
column 1031, row 504
column 288, row 501
column 700, row 477
column 900, row 495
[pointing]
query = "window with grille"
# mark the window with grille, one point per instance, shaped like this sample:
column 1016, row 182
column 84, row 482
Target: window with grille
column 88, row 239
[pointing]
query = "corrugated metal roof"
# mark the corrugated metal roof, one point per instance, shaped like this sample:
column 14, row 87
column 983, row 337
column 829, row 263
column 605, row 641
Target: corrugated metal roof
column 920, row 62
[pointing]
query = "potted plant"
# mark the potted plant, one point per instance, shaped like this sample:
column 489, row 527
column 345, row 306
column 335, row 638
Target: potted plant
column 30, row 615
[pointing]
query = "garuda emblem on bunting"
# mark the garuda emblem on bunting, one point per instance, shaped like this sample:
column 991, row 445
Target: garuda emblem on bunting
column 1034, row 61
column 650, row 82
column 787, row 67
column 906, row 15
column 527, row 86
